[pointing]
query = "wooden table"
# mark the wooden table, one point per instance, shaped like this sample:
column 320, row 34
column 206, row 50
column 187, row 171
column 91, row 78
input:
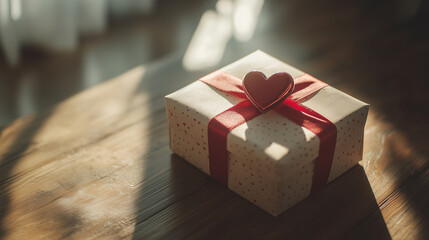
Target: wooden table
column 98, row 165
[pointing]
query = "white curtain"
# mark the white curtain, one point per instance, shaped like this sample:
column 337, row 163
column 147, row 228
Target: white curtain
column 55, row 25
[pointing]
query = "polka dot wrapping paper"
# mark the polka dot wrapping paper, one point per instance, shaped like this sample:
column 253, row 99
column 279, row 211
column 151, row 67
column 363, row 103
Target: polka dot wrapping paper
column 270, row 158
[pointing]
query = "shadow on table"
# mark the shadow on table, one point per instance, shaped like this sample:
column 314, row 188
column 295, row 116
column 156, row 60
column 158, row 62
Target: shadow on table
column 204, row 209
column 17, row 149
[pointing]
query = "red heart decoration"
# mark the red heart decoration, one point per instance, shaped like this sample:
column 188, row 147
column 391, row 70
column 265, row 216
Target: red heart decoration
column 267, row 93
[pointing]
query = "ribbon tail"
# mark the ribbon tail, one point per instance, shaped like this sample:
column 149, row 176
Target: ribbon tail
column 323, row 128
column 218, row 129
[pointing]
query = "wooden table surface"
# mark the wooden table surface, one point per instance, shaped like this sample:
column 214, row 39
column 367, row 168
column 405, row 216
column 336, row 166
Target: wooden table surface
column 97, row 165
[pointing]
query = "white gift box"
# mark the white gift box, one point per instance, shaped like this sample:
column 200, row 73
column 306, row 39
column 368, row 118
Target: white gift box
column 270, row 158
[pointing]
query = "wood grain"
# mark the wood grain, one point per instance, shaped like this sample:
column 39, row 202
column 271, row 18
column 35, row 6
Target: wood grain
column 104, row 170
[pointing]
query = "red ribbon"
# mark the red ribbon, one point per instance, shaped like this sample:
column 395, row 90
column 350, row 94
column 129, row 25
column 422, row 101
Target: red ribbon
column 221, row 124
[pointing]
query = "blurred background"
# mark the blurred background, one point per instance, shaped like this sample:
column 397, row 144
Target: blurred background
column 376, row 50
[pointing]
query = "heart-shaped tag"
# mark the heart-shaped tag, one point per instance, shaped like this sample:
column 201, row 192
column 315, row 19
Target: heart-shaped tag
column 267, row 93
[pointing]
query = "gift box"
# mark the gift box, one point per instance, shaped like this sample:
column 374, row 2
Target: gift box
column 274, row 158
